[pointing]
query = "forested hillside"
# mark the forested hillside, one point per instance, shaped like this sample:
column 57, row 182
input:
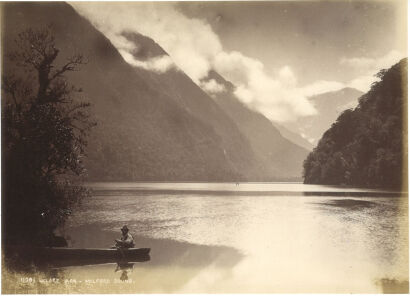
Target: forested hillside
column 367, row 146
column 329, row 105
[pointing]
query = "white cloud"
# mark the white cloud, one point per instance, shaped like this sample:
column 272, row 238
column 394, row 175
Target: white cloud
column 190, row 42
column 368, row 67
column 244, row 94
column 373, row 64
column 363, row 82
column 360, row 63
column 275, row 97
column 321, row 86
column 196, row 49
column 287, row 77
column 310, row 140
column 159, row 64
column 212, row 87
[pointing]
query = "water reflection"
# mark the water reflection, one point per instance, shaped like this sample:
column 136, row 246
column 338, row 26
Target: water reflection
column 124, row 268
column 350, row 204
column 250, row 238
column 164, row 252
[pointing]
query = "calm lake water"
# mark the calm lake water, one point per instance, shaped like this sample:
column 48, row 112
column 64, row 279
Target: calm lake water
column 248, row 237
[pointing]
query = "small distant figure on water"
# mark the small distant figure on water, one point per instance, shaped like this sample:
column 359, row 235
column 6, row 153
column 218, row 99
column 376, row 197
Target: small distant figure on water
column 126, row 240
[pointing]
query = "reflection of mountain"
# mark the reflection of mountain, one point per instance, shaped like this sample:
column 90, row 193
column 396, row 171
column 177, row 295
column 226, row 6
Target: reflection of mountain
column 367, row 146
column 155, row 126
column 329, row 106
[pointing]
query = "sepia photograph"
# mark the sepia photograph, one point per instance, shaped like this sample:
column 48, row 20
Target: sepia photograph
column 204, row 147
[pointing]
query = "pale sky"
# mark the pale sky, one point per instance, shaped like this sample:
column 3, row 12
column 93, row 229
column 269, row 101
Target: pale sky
column 277, row 54
column 309, row 37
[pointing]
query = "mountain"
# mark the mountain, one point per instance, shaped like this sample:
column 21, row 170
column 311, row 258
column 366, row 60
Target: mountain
column 266, row 143
column 293, row 137
column 367, row 146
column 329, row 106
column 193, row 100
column 275, row 153
column 150, row 126
column 142, row 132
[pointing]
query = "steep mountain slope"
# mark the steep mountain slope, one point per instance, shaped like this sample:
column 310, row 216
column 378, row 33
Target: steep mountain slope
column 193, row 100
column 329, row 106
column 157, row 126
column 143, row 132
column 276, row 158
column 277, row 155
column 367, row 146
column 293, row 137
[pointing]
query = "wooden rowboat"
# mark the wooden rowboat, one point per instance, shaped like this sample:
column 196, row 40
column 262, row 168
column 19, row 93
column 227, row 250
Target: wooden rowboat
column 109, row 254
column 70, row 256
column 76, row 256
column 96, row 253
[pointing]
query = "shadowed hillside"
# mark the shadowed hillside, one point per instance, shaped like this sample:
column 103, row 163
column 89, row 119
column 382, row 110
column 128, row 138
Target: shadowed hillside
column 144, row 132
column 367, row 146
column 157, row 126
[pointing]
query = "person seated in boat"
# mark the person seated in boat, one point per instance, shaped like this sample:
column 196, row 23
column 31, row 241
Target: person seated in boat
column 126, row 240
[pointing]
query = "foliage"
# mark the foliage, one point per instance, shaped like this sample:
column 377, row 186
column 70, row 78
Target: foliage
column 366, row 146
column 44, row 136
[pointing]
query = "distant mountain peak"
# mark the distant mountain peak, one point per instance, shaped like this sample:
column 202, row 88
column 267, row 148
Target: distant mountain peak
column 347, row 91
column 329, row 106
